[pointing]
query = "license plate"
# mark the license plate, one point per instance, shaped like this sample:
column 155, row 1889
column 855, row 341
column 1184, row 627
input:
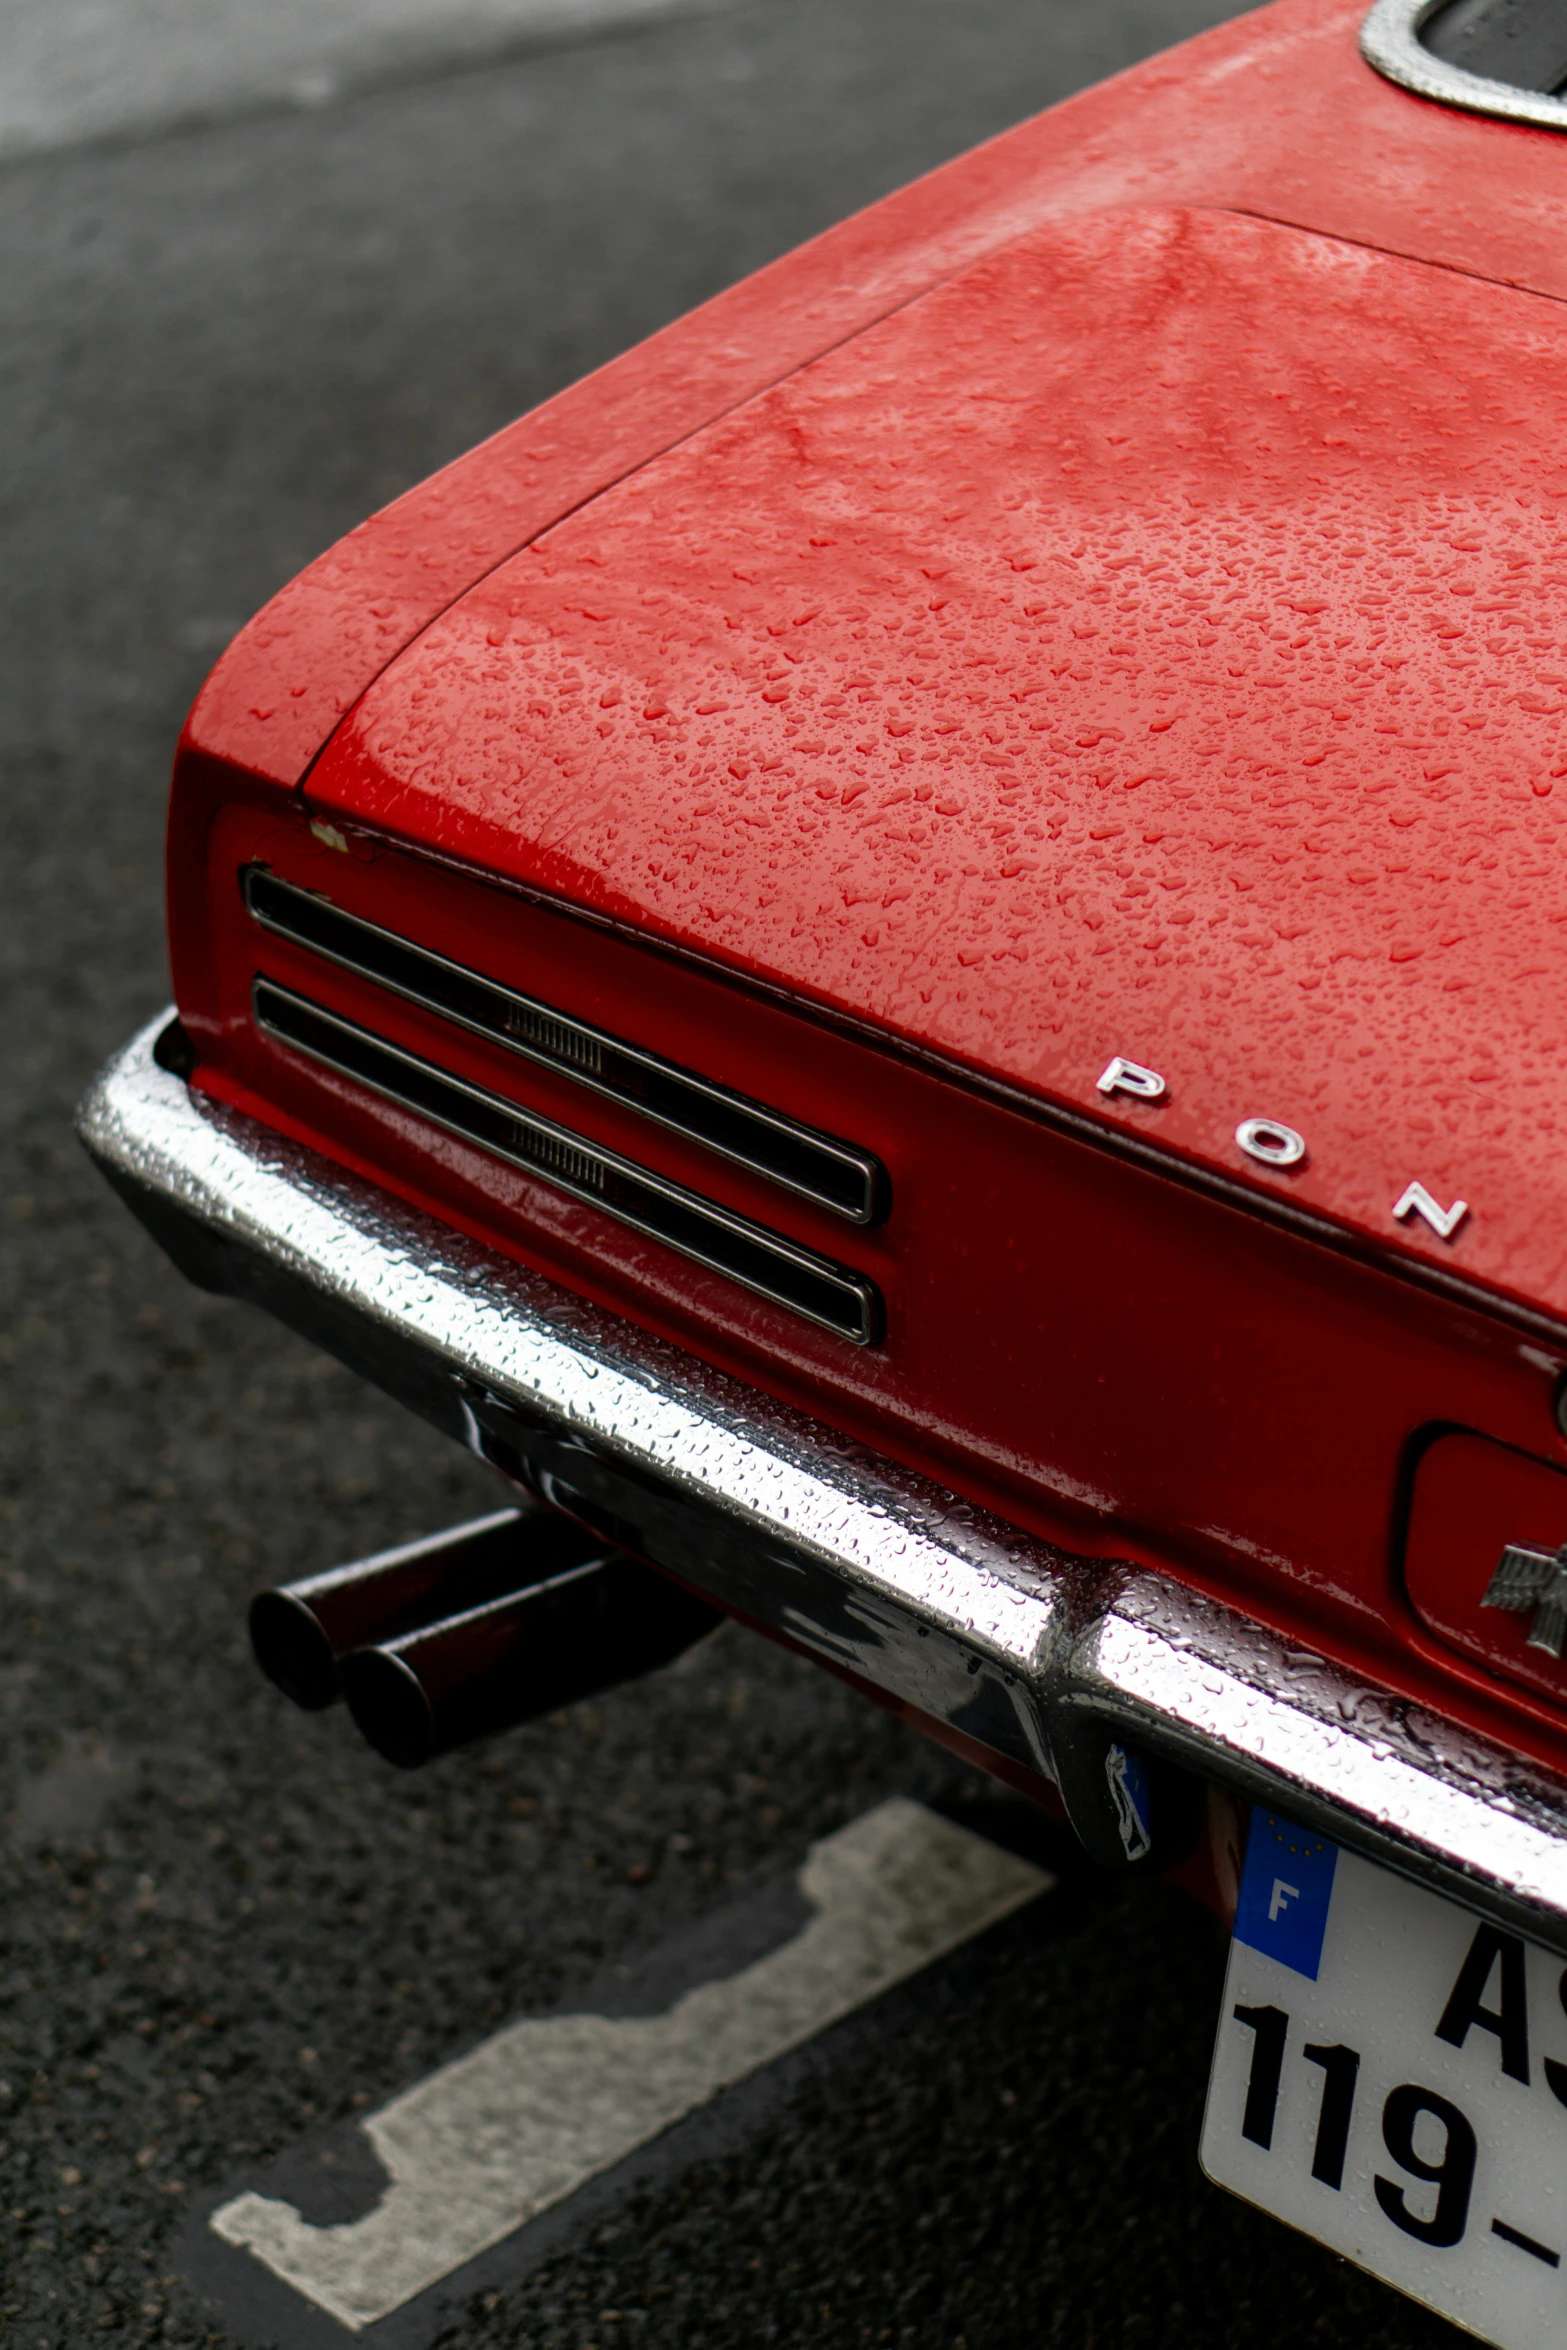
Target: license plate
column 1390, row 2077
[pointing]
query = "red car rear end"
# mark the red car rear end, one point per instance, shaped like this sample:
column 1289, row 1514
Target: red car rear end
column 905, row 955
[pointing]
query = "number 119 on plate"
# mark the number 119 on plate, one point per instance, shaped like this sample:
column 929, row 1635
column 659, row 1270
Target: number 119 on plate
column 1390, row 2076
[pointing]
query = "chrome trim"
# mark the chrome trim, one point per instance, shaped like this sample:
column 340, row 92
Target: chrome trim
column 569, row 1162
column 868, row 1567
column 1390, row 41
column 576, row 1050
column 1533, row 1583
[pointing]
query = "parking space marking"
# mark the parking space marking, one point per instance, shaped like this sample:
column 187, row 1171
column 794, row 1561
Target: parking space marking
column 490, row 2141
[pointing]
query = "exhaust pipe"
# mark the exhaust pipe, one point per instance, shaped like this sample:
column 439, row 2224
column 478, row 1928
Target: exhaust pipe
column 586, row 1629
column 301, row 1632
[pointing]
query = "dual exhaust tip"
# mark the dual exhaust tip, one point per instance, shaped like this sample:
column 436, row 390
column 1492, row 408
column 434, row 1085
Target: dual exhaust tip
column 476, row 1630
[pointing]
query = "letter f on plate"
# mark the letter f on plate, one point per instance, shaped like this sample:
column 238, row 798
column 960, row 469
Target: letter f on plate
column 1283, row 1895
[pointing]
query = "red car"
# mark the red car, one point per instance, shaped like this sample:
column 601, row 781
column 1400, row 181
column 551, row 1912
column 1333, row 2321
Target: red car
column 908, row 955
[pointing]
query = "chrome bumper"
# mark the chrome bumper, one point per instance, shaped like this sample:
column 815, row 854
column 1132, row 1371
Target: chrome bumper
column 1037, row 1656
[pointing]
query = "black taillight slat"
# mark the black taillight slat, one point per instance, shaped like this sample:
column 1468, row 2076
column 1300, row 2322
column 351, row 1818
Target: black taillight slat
column 833, row 1174
column 833, row 1296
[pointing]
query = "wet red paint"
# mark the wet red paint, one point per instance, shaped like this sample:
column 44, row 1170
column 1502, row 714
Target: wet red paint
column 1472, row 1500
column 1146, row 644
column 1274, row 114
column 1094, row 1351
column 1069, row 612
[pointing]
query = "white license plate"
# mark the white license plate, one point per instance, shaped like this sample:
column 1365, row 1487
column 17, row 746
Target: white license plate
column 1390, row 2077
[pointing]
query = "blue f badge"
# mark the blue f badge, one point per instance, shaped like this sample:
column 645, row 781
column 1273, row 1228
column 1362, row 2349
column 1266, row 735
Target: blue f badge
column 1285, row 1891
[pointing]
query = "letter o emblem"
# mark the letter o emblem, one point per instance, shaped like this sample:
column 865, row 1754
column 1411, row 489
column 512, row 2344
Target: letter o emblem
column 1273, row 1145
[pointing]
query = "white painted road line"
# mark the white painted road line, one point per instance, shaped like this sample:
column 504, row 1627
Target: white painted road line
column 489, row 2142
column 90, row 69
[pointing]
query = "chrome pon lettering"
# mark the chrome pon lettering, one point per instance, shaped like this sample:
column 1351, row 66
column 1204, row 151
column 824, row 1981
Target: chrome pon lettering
column 1131, row 1077
column 1444, row 1222
column 1271, row 1144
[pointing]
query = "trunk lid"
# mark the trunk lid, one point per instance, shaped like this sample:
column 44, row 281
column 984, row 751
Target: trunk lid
column 1148, row 643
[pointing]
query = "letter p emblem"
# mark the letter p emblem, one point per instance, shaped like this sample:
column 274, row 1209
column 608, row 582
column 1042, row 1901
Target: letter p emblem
column 1131, row 1077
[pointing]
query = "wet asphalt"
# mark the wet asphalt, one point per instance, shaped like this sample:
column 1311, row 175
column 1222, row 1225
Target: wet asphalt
column 225, row 1928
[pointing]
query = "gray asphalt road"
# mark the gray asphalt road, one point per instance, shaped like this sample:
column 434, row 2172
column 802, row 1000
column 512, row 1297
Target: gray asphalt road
column 225, row 1928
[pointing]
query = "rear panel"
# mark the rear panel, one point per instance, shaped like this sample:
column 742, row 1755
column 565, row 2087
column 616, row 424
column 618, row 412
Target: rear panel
column 1102, row 1353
